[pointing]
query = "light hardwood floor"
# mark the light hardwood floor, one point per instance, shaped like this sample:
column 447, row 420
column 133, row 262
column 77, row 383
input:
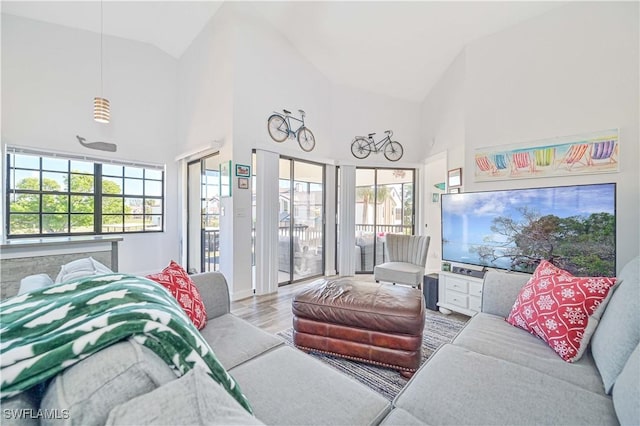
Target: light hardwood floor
column 272, row 312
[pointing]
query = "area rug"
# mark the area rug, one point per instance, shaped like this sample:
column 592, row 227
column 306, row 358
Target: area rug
column 438, row 330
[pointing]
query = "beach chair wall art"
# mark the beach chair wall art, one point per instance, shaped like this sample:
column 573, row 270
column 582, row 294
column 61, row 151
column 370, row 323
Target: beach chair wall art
column 595, row 152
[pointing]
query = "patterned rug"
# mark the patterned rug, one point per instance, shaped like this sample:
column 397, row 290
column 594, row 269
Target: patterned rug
column 438, row 330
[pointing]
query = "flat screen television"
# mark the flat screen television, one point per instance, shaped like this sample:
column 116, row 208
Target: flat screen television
column 572, row 226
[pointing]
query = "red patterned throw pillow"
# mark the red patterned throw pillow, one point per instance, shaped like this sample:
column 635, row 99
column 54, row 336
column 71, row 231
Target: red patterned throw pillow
column 175, row 279
column 561, row 309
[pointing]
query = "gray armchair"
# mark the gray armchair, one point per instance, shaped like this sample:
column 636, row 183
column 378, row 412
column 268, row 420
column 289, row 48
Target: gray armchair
column 407, row 258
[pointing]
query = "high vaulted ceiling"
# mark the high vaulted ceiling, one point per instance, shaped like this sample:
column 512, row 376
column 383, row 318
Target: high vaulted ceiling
column 395, row 48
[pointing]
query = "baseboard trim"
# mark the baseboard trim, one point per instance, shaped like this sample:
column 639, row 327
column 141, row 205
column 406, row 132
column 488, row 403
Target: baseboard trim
column 241, row 295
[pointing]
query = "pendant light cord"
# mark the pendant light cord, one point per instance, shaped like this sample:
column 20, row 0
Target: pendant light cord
column 101, row 48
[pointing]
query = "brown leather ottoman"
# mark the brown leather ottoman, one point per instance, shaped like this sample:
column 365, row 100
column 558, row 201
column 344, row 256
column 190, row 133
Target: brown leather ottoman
column 371, row 322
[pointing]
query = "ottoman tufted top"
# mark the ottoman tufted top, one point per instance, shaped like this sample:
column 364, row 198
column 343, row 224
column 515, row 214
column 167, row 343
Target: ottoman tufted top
column 370, row 306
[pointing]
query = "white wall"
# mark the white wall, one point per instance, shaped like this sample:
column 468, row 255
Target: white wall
column 50, row 75
column 442, row 114
column 205, row 86
column 572, row 70
column 435, row 171
column 355, row 113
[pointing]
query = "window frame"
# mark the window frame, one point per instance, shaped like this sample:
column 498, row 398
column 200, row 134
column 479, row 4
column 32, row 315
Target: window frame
column 151, row 174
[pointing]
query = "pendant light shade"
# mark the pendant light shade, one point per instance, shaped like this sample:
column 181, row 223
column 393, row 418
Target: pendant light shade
column 101, row 108
column 101, row 111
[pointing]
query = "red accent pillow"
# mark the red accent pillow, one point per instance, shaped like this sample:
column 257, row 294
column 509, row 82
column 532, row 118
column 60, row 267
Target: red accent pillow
column 561, row 309
column 175, row 279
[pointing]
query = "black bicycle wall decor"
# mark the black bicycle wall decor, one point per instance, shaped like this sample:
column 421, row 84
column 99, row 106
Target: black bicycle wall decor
column 279, row 127
column 362, row 146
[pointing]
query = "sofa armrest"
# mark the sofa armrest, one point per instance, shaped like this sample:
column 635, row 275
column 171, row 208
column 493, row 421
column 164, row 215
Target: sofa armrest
column 215, row 293
column 500, row 290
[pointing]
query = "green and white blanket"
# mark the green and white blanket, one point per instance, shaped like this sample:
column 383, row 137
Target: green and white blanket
column 45, row 331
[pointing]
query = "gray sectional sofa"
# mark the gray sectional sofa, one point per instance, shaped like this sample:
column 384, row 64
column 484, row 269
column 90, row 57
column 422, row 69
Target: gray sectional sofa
column 492, row 373
column 495, row 373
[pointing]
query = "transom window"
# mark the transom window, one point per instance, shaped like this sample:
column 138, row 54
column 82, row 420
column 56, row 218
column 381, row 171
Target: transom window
column 49, row 194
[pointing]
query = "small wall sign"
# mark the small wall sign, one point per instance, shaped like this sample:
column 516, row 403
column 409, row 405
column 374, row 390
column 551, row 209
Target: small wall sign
column 243, row 171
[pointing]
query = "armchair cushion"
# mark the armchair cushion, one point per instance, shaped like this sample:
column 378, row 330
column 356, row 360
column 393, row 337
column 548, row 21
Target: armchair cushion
column 399, row 272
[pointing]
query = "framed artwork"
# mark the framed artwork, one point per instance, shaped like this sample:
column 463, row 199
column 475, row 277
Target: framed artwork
column 594, row 152
column 225, row 178
column 454, row 190
column 243, row 171
column 454, row 178
column 243, row 183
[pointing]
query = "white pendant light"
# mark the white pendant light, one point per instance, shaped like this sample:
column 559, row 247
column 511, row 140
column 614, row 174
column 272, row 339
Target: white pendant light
column 101, row 111
column 101, row 107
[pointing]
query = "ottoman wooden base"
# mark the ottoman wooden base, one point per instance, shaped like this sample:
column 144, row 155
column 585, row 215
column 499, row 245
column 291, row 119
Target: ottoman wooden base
column 370, row 322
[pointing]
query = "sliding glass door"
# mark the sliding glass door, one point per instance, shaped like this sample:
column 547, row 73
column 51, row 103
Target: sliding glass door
column 384, row 204
column 301, row 220
column 203, row 200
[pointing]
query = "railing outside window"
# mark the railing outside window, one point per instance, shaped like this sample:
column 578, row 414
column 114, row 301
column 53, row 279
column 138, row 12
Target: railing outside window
column 211, row 239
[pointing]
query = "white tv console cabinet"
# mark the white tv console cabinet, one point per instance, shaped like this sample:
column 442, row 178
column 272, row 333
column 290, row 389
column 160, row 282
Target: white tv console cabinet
column 459, row 293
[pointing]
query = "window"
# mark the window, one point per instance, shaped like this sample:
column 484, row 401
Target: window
column 50, row 194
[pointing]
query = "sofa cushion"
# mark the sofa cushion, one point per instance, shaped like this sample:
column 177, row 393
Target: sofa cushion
column 214, row 292
column 559, row 308
column 619, row 326
column 81, row 268
column 193, row 399
column 492, row 335
column 496, row 392
column 500, row 289
column 175, row 279
column 288, row 387
column 235, row 341
column 93, row 386
column 626, row 392
column 34, row 282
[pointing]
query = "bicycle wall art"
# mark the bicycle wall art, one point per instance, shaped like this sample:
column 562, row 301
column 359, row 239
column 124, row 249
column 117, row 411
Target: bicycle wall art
column 362, row 146
column 279, row 126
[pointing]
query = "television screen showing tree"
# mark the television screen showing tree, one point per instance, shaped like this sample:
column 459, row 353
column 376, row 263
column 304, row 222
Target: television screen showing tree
column 573, row 226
